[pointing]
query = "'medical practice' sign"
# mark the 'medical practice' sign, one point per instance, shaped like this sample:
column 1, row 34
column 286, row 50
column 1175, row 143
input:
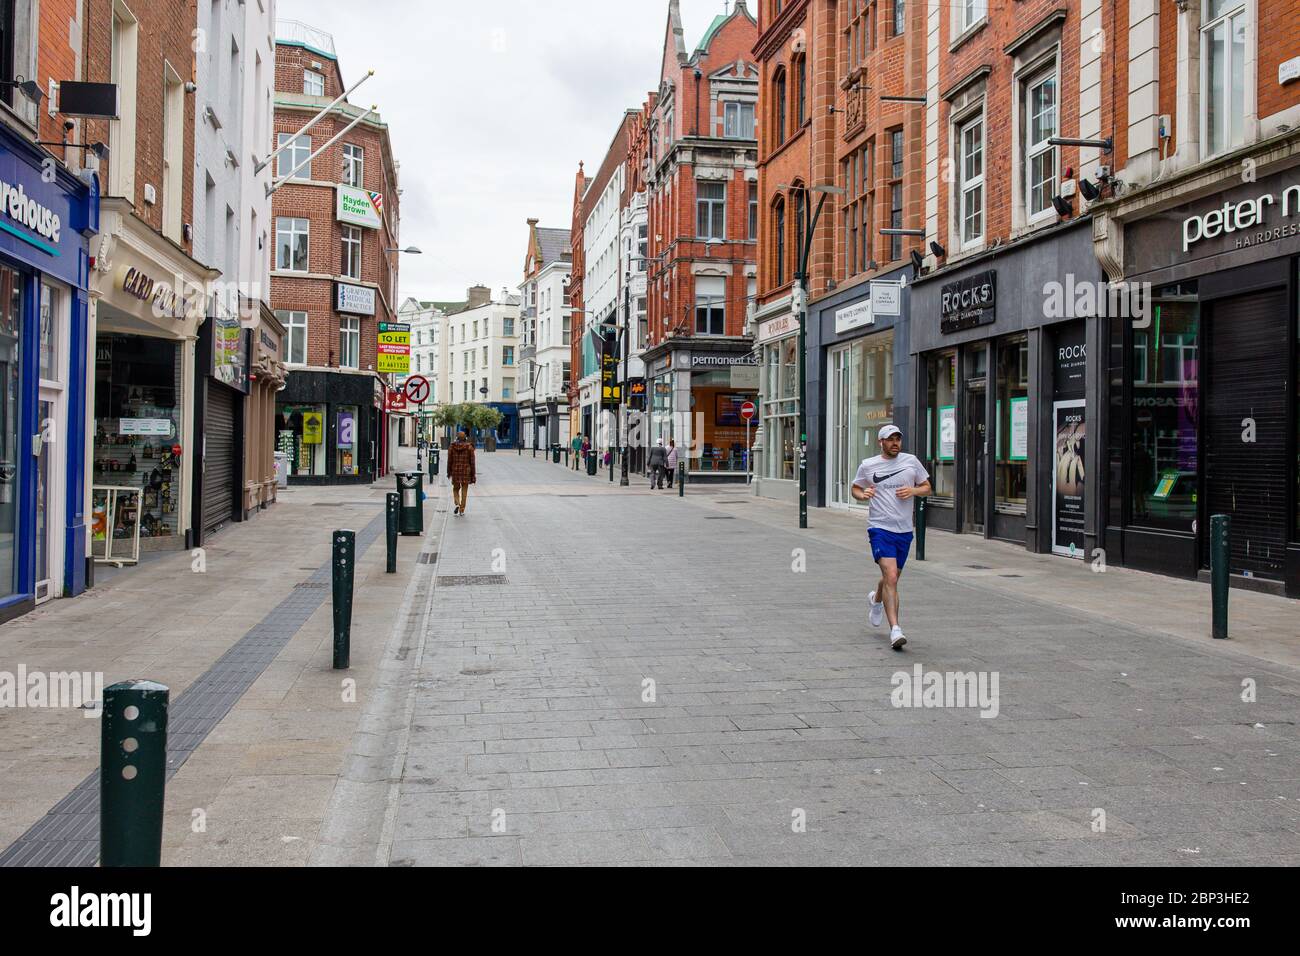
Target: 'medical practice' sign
column 354, row 299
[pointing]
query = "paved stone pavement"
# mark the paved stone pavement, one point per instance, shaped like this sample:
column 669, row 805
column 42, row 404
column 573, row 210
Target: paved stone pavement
column 524, row 728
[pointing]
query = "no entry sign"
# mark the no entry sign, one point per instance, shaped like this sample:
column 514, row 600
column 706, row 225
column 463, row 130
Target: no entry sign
column 747, row 411
column 416, row 389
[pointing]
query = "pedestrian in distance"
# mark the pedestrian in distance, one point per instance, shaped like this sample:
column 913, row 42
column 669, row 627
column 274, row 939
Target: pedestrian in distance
column 586, row 448
column 461, row 470
column 672, row 460
column 657, row 461
column 888, row 482
column 576, row 446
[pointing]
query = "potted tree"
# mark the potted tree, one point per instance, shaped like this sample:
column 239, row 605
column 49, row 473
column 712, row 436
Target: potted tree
column 471, row 416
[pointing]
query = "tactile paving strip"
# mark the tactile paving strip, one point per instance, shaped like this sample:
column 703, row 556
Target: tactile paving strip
column 68, row 834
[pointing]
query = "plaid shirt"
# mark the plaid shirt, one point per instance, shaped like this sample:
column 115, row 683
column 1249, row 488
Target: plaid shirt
column 460, row 463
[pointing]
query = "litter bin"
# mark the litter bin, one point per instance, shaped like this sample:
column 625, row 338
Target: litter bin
column 410, row 511
column 435, row 453
column 555, row 453
column 281, row 470
column 591, row 460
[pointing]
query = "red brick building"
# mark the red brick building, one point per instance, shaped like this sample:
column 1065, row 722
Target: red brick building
column 702, row 180
column 334, row 268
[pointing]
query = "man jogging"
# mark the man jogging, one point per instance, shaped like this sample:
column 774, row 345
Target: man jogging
column 889, row 482
column 461, row 470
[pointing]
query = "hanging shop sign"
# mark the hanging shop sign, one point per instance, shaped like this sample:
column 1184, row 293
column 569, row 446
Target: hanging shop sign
column 394, row 348
column 229, row 352
column 854, row 316
column 359, row 207
column 887, row 298
column 354, row 299
column 395, row 401
column 1068, row 479
column 968, row 302
column 636, row 389
column 611, row 392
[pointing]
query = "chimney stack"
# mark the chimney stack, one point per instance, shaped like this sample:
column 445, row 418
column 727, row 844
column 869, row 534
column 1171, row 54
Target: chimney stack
column 478, row 295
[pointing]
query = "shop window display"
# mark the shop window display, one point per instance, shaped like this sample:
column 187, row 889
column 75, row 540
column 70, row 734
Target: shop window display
column 346, row 441
column 861, row 401
column 11, row 312
column 941, row 421
column 1164, row 410
column 300, row 434
column 137, row 435
column 719, row 431
column 1012, row 433
column 780, row 409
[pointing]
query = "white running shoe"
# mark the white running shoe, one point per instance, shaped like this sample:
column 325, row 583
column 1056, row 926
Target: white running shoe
column 877, row 612
column 896, row 638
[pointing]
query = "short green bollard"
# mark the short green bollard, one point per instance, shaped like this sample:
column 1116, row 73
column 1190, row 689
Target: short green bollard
column 1220, row 538
column 920, row 529
column 566, row 458
column 343, row 566
column 390, row 529
column 410, row 486
column 132, row 773
column 681, row 479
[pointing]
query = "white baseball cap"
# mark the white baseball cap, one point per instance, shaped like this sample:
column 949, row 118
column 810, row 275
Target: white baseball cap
column 887, row 430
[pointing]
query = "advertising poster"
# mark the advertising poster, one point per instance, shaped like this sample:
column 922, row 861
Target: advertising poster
column 1068, row 480
column 1019, row 429
column 728, row 409
column 947, row 432
column 312, row 426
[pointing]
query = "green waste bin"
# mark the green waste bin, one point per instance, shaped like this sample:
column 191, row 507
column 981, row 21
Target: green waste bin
column 591, row 461
column 434, row 455
column 410, row 515
column 555, row 454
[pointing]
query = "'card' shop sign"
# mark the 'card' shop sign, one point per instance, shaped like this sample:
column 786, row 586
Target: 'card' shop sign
column 968, row 302
column 166, row 301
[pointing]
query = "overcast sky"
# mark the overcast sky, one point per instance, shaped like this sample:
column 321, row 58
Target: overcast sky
column 490, row 106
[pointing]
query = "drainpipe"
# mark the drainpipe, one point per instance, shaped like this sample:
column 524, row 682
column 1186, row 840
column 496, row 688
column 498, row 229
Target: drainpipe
column 698, row 76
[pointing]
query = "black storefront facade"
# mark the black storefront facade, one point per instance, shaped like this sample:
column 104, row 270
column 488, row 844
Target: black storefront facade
column 1204, row 393
column 859, row 379
column 328, row 427
column 1006, row 390
column 221, row 384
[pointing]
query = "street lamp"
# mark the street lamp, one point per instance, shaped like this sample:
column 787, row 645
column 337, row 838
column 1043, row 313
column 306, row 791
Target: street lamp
column 799, row 305
column 409, row 250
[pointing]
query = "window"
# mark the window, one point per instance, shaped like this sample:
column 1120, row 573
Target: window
column 293, row 154
column 753, row 211
column 778, row 97
column 738, row 120
column 1223, row 75
column 970, row 12
column 295, row 336
column 475, row 328
column 349, row 342
column 970, row 160
column 291, row 244
column 711, row 210
column 485, row 356
column 859, row 195
column 507, row 388
column 568, row 374
column 1011, row 431
column 354, row 165
column 858, row 33
column 900, row 16
column 351, row 265
column 710, row 305
column 173, row 155
column 567, row 325
column 896, row 193
column 941, row 422
column 507, row 327
column 801, row 90
column 464, row 391
column 419, row 362
column 780, row 404
column 313, row 83
column 778, row 229
column 121, row 131
column 800, row 225
column 1040, row 158
column 507, row 355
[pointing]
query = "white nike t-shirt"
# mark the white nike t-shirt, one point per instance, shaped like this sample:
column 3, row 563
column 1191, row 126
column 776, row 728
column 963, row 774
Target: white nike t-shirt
column 887, row 510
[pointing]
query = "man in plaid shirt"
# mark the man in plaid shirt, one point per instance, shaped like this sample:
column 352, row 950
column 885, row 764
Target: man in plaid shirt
column 461, row 470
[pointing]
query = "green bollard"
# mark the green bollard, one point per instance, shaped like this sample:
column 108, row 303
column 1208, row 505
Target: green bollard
column 566, row 457
column 920, row 529
column 1220, row 537
column 132, row 773
column 681, row 479
column 390, row 529
column 344, row 568
column 433, row 463
column 610, row 452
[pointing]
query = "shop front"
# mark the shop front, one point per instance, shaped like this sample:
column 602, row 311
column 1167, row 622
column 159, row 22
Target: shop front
column 697, row 390
column 1006, row 395
column 47, row 218
column 776, row 440
column 858, row 382
column 328, row 426
column 150, row 307
column 1204, row 400
column 222, row 386
column 267, row 376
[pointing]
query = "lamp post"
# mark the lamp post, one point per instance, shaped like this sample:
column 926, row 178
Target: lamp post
column 799, row 305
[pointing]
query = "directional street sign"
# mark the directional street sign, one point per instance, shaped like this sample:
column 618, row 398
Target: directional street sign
column 416, row 389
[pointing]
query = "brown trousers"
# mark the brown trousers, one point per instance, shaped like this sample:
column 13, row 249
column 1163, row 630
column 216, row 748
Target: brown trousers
column 459, row 493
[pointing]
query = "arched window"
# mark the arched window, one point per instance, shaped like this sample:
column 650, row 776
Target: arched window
column 800, row 196
column 778, row 97
column 778, row 231
column 801, row 89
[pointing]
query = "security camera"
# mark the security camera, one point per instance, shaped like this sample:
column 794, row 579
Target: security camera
column 191, row 86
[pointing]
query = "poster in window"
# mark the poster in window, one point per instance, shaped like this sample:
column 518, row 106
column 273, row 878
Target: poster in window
column 1068, row 481
column 728, row 409
column 947, row 432
column 312, row 426
column 1019, row 429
